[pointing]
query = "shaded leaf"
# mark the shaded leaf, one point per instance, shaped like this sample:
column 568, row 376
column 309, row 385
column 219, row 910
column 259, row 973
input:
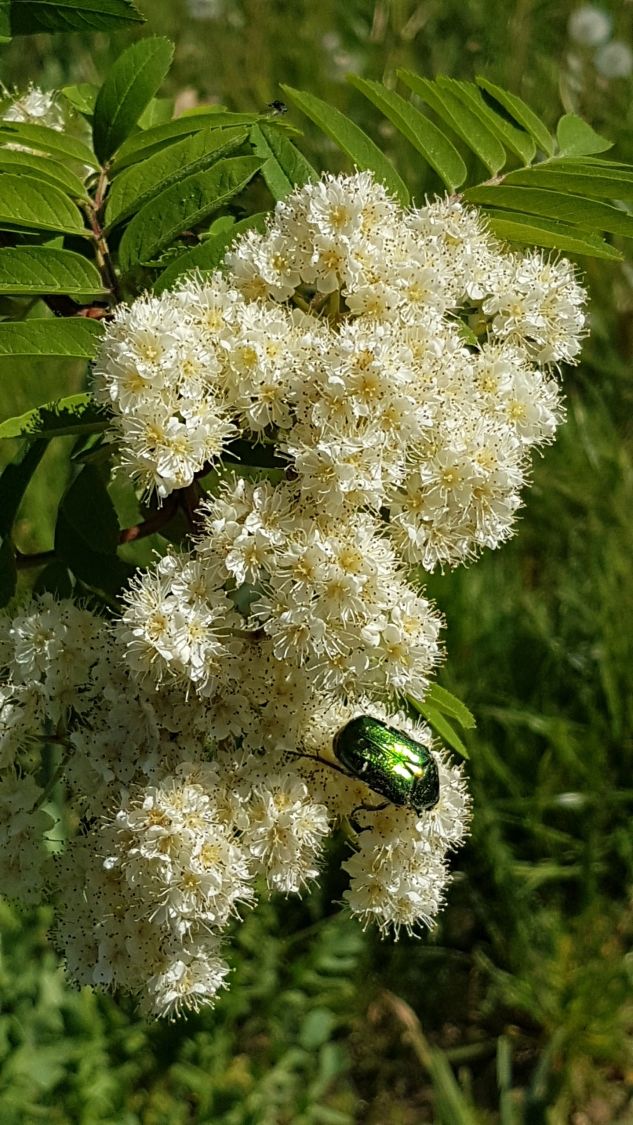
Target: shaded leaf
column 182, row 206
column 76, row 336
column 129, row 87
column 514, row 139
column 138, row 184
column 436, row 149
column 284, row 166
column 532, row 230
column 41, row 270
column 30, row 16
column 14, row 482
column 28, row 202
column 76, row 414
column 210, row 253
column 146, row 143
column 460, row 118
column 565, row 208
column 521, row 113
column 43, row 168
column 347, row 135
column 87, row 533
column 54, row 579
column 43, row 139
column 576, row 137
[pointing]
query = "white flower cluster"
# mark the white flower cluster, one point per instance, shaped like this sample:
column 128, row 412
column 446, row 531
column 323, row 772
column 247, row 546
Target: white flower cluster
column 380, row 377
column 342, row 340
column 217, row 797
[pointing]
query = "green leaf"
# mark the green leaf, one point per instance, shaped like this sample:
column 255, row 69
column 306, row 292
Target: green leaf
column 436, row 149
column 72, row 336
column 564, row 208
column 41, row 270
column 581, row 180
column 82, row 97
column 521, row 113
column 442, row 726
column 182, row 206
column 28, row 202
column 30, row 16
column 43, row 168
column 576, row 138
column 347, row 135
column 13, row 484
column 284, row 166
column 210, row 253
column 156, row 112
column 129, row 87
column 460, row 118
column 76, row 414
column 514, row 139
column 54, row 579
column 449, row 704
column 5, row 21
column 87, row 533
column 534, row 231
column 144, row 144
column 43, row 139
column 142, row 181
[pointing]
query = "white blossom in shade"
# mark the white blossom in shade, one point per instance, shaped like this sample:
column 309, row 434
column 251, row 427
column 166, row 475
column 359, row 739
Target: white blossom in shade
column 286, row 832
column 24, row 860
column 187, row 982
column 35, row 107
column 518, row 394
column 178, row 624
column 540, row 307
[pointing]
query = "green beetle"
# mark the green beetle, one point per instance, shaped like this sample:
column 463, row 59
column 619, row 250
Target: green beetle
column 389, row 762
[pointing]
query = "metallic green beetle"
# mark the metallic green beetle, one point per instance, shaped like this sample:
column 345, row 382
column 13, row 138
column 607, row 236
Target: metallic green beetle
column 389, row 762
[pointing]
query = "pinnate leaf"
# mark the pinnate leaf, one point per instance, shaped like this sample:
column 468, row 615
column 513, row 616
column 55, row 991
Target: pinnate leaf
column 521, row 113
column 460, row 118
column 436, row 149
column 42, row 168
column 182, row 206
column 567, row 208
column 284, row 166
column 40, row 269
column 73, row 336
column 576, row 137
column 30, row 16
column 532, row 230
column 209, row 254
column 149, row 141
column 42, row 139
column 352, row 140
column 142, row 181
column 28, row 202
column 129, row 87
column 513, row 138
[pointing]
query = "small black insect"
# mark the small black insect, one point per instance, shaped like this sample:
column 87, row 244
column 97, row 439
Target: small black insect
column 277, row 108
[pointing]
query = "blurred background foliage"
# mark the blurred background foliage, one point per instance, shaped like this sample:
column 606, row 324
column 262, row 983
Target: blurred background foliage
column 518, row 1007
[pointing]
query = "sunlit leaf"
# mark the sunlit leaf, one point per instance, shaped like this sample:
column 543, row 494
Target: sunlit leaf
column 436, row 149
column 182, row 206
column 576, row 138
column 72, row 336
column 40, row 269
column 352, row 140
column 131, row 84
column 75, row 414
column 460, row 118
column 521, row 113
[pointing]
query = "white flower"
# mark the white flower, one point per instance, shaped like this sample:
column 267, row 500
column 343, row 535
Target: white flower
column 614, row 60
column 286, row 831
column 188, row 982
column 589, row 26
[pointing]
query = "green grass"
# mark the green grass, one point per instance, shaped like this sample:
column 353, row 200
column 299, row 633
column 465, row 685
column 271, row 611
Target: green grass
column 518, row 1008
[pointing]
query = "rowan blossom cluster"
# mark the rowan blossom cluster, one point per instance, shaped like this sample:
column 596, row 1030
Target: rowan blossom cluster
column 360, row 389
